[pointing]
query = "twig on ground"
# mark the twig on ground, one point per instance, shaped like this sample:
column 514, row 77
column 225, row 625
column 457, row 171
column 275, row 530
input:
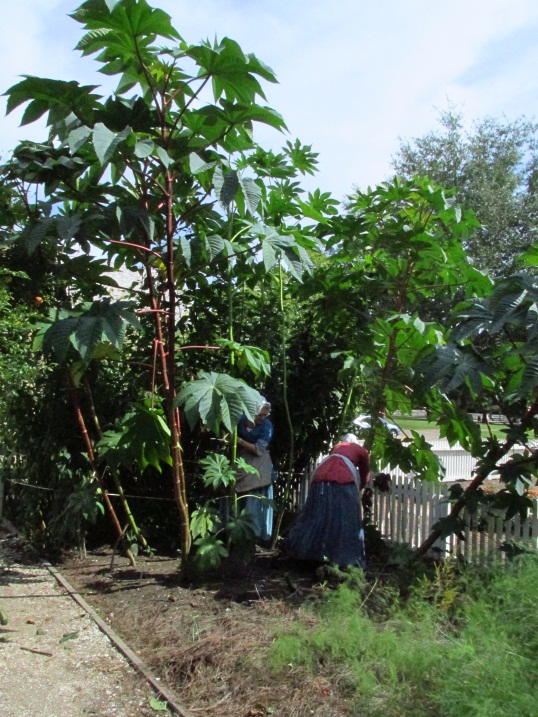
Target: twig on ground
column 37, row 652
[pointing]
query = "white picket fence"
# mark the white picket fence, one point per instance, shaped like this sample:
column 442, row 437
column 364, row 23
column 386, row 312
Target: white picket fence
column 406, row 513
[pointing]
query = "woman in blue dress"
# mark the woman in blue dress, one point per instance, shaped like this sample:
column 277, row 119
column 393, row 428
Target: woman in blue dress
column 256, row 490
column 329, row 527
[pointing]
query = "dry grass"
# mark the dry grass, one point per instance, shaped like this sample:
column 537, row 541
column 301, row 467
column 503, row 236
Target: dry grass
column 208, row 646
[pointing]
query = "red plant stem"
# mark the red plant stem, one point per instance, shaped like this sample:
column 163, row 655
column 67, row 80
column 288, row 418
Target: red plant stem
column 178, row 472
column 136, row 246
column 91, row 455
column 208, row 348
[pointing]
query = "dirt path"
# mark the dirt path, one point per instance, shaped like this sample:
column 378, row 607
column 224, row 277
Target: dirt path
column 54, row 661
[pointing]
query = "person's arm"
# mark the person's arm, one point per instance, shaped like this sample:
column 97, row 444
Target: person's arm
column 246, row 446
column 263, row 434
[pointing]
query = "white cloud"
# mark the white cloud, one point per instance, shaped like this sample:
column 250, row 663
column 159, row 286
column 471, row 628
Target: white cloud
column 354, row 75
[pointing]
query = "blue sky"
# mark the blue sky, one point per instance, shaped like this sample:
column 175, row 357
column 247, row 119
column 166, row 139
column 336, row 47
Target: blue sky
column 354, row 75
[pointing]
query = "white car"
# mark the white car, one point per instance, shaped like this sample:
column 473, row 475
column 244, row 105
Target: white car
column 365, row 422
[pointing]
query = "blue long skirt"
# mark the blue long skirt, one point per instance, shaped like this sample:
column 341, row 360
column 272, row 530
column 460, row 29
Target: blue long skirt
column 261, row 511
column 329, row 526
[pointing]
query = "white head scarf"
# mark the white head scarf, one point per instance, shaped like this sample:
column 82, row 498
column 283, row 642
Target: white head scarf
column 263, row 405
column 350, row 438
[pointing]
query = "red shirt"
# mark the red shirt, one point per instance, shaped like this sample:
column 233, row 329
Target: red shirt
column 335, row 470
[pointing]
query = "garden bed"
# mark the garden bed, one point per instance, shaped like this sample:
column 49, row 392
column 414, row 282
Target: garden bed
column 209, row 641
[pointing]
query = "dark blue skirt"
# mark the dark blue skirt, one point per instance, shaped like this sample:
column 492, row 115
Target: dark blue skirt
column 329, row 527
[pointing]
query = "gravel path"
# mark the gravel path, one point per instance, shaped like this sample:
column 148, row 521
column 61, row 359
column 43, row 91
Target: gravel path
column 54, row 661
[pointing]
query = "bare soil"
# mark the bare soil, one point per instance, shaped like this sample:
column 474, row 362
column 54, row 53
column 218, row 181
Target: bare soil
column 209, row 641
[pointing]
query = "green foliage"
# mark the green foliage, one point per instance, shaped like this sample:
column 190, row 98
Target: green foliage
column 210, row 552
column 251, row 357
column 458, row 647
column 143, row 439
column 492, row 168
column 204, row 521
column 102, row 322
column 158, row 705
column 240, row 528
column 17, row 365
column 218, row 399
column 218, row 471
column 207, row 525
column 163, row 178
column 84, row 503
column 496, row 648
column 401, row 248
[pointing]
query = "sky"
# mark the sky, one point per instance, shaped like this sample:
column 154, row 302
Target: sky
column 354, row 75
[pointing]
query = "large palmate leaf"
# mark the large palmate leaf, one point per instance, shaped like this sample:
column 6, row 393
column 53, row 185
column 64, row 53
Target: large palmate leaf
column 56, row 339
column 218, row 471
column 248, row 357
column 198, row 165
column 449, row 367
column 210, row 551
column 218, row 399
column 132, row 219
column 251, row 194
column 226, row 186
column 273, row 244
column 105, row 142
column 235, row 115
column 109, row 20
column 103, row 321
column 57, row 97
column 302, row 157
column 204, row 521
column 142, row 439
column 146, row 437
column 529, row 380
column 512, row 303
column 44, row 164
column 232, row 72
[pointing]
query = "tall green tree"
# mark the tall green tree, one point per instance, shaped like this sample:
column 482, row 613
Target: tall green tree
column 492, row 166
column 394, row 255
column 165, row 178
column 490, row 354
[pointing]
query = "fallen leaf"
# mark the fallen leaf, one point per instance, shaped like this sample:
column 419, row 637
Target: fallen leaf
column 158, row 705
column 69, row 636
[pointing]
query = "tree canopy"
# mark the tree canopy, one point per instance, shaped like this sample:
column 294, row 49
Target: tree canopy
column 492, row 168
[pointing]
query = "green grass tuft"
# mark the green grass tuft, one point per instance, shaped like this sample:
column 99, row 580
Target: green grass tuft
column 463, row 645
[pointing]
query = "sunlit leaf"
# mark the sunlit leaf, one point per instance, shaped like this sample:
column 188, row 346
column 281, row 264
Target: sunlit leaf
column 218, row 399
